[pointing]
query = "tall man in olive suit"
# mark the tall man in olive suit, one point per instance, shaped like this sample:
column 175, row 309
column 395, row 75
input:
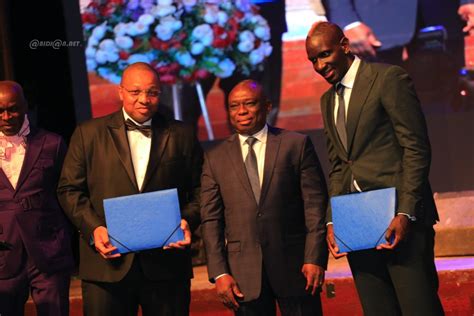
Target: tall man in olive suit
column 377, row 138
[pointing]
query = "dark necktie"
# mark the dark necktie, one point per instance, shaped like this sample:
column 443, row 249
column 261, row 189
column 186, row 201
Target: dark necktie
column 252, row 168
column 144, row 129
column 341, row 116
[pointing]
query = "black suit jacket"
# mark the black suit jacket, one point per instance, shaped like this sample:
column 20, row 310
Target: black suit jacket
column 30, row 216
column 98, row 165
column 388, row 144
column 285, row 230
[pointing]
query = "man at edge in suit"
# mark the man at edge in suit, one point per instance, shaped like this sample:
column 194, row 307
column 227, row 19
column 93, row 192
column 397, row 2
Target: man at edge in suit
column 263, row 207
column 128, row 152
column 31, row 220
column 377, row 138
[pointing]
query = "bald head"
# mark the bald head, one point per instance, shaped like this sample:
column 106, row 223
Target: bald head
column 248, row 107
column 139, row 67
column 329, row 30
column 13, row 107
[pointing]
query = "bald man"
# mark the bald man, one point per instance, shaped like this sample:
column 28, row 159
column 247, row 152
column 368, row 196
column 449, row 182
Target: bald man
column 132, row 151
column 32, row 223
column 263, row 206
column 377, row 138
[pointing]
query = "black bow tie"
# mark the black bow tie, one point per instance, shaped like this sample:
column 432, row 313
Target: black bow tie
column 144, row 129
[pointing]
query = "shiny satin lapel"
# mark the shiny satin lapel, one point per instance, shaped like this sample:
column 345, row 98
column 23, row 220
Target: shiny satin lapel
column 235, row 156
column 34, row 145
column 118, row 135
column 362, row 86
column 271, row 155
column 159, row 139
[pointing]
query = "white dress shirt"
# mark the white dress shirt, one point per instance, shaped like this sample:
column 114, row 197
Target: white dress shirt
column 348, row 83
column 12, row 152
column 259, row 147
column 140, row 147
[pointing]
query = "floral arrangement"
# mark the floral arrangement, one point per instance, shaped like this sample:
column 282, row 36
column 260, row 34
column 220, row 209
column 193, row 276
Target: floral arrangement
column 185, row 40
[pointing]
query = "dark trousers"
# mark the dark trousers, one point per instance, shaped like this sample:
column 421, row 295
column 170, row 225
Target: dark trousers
column 164, row 298
column 264, row 305
column 399, row 282
column 50, row 292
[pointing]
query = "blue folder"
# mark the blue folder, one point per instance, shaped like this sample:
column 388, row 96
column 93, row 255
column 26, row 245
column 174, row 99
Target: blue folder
column 143, row 221
column 361, row 219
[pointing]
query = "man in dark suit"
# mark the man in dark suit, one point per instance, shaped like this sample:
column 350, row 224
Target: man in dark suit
column 129, row 152
column 377, row 138
column 388, row 31
column 32, row 223
column 263, row 207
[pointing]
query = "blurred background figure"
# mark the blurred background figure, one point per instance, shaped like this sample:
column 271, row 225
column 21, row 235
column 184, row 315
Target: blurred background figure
column 424, row 36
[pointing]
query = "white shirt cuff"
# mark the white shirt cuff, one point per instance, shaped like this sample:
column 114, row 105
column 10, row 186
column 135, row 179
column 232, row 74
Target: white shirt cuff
column 352, row 25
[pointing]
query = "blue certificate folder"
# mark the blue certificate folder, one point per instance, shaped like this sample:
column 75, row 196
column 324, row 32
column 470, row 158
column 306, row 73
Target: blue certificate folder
column 360, row 219
column 143, row 221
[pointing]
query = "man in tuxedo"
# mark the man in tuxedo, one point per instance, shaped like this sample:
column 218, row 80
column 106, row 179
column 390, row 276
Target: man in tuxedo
column 377, row 138
column 389, row 31
column 129, row 152
column 32, row 225
column 263, row 205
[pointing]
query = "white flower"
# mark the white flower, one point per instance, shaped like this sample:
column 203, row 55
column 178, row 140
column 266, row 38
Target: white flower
column 120, row 29
column 197, row 48
column 146, row 19
column 266, row 48
column 135, row 58
column 226, row 68
column 185, row 59
column 165, row 2
column 203, row 33
column 262, row 32
column 101, row 57
column 112, row 57
column 137, row 29
column 124, row 42
column 92, row 42
column 222, row 18
column 256, row 56
column 99, row 31
column 173, row 23
column 163, row 10
column 91, row 64
column 164, row 32
column 90, row 52
column 245, row 47
column 211, row 14
column 246, row 36
column 108, row 45
column 243, row 5
column 189, row 3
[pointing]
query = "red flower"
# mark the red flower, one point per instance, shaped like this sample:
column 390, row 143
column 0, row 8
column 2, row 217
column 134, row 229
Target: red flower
column 155, row 43
column 89, row 18
column 124, row 55
column 201, row 74
column 239, row 14
column 168, row 79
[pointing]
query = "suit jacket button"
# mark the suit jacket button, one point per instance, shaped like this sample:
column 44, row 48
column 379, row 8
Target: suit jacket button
column 259, row 214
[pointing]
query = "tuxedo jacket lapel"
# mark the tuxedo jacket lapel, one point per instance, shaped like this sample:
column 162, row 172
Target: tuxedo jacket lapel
column 271, row 155
column 34, row 144
column 159, row 139
column 362, row 86
column 234, row 154
column 118, row 136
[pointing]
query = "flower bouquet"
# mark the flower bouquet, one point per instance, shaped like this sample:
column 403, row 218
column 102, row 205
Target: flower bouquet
column 185, row 40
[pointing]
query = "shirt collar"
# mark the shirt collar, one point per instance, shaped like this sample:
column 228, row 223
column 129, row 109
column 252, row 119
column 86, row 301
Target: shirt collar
column 350, row 76
column 128, row 117
column 260, row 135
column 24, row 130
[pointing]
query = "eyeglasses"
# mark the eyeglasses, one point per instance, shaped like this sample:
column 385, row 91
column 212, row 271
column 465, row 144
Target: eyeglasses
column 151, row 93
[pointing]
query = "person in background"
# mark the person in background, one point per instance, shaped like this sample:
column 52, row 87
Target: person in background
column 131, row 151
column 32, row 224
column 263, row 206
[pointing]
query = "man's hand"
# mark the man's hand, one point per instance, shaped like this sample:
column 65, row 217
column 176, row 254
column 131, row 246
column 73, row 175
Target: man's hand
column 397, row 231
column 187, row 237
column 314, row 275
column 102, row 243
column 227, row 290
column 466, row 12
column 362, row 40
column 332, row 245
